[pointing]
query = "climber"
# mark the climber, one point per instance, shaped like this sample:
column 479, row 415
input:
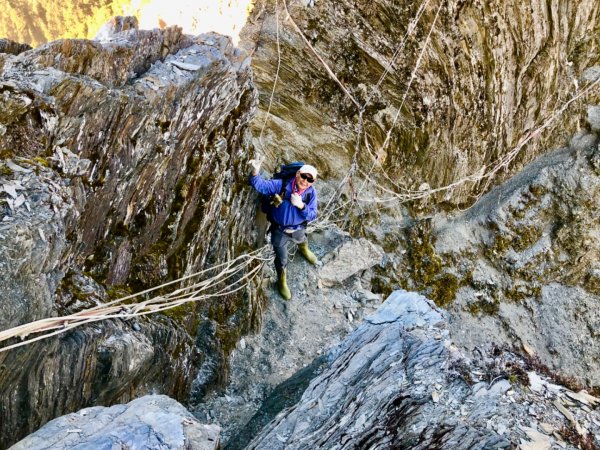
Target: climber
column 290, row 217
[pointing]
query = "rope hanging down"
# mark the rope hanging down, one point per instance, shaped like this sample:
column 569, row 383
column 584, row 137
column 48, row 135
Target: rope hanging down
column 262, row 130
column 486, row 173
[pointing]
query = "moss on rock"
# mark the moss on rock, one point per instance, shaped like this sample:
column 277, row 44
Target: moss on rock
column 444, row 289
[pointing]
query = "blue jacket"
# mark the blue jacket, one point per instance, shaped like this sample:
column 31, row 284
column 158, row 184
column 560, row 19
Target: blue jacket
column 287, row 215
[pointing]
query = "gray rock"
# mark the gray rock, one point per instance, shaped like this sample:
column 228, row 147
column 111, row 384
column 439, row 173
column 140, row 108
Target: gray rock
column 527, row 253
column 123, row 174
column 591, row 73
column 150, row 422
column 593, row 117
column 350, row 258
column 395, row 383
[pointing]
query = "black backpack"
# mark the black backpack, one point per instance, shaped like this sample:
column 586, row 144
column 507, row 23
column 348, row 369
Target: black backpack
column 285, row 173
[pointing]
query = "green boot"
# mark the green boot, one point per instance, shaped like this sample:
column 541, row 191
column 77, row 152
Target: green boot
column 308, row 255
column 282, row 286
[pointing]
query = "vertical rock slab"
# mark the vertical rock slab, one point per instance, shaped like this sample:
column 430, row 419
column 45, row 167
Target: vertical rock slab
column 121, row 167
column 481, row 85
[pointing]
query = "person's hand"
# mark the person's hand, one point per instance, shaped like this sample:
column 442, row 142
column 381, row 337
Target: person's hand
column 255, row 164
column 297, row 201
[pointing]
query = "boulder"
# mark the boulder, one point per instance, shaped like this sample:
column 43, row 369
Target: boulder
column 149, row 422
column 350, row 258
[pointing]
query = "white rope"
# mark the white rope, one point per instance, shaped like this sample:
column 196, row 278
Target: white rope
column 404, row 97
column 115, row 309
column 486, row 173
column 327, row 68
column 276, row 73
column 412, row 25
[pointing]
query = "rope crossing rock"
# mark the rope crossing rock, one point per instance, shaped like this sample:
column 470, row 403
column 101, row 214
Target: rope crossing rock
column 139, row 305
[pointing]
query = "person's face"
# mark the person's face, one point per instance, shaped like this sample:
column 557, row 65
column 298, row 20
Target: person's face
column 304, row 180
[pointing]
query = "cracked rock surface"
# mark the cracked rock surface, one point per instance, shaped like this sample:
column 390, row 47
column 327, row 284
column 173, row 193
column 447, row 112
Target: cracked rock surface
column 121, row 168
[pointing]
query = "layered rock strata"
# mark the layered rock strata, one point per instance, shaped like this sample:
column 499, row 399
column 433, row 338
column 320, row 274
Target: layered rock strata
column 397, row 382
column 122, row 166
column 11, row 47
column 457, row 85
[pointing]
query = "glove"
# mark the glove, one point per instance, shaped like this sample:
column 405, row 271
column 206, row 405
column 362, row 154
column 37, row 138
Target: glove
column 297, row 201
column 255, row 164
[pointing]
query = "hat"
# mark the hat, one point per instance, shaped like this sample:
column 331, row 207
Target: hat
column 307, row 168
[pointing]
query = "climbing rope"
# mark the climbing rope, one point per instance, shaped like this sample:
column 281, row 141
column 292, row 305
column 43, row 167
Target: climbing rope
column 135, row 306
column 485, row 174
column 322, row 61
column 276, row 73
column 327, row 212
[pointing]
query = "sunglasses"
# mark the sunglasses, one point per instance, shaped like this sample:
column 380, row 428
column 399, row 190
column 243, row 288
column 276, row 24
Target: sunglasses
column 307, row 178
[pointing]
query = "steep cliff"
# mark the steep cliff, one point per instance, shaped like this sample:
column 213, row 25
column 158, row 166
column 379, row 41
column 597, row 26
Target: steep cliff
column 457, row 86
column 121, row 169
column 468, row 94
column 122, row 165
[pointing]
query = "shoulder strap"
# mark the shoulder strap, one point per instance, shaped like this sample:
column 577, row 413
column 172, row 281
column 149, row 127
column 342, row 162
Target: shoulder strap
column 284, row 184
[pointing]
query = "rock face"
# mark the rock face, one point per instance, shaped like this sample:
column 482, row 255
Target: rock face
column 350, row 258
column 481, row 85
column 519, row 268
column 287, row 351
column 397, row 382
column 531, row 248
column 122, row 166
column 11, row 47
column 153, row 421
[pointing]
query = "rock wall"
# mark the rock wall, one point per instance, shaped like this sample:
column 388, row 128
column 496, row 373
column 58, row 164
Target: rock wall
column 519, row 268
column 122, row 167
column 489, row 76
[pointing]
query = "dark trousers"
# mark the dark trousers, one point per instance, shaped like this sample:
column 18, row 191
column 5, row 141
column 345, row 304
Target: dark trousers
column 280, row 241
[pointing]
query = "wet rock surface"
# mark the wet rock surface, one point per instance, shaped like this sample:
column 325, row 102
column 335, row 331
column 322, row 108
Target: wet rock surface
column 397, row 381
column 114, row 155
column 152, row 422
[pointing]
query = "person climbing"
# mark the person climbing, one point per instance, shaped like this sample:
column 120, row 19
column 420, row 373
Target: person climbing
column 289, row 217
